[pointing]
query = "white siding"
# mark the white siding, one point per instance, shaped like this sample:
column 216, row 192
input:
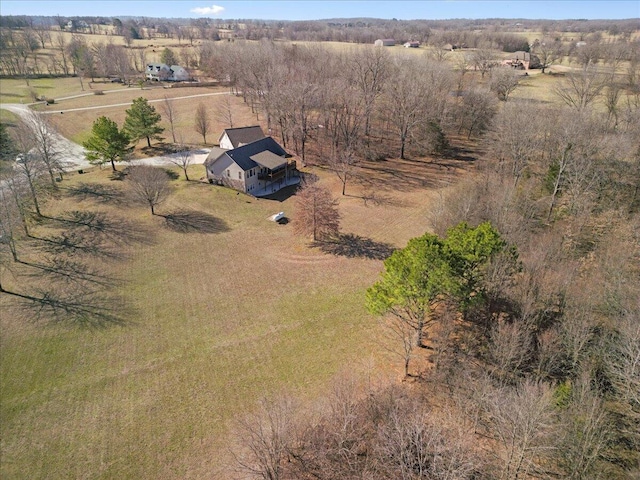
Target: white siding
column 252, row 182
column 227, row 171
column 225, row 142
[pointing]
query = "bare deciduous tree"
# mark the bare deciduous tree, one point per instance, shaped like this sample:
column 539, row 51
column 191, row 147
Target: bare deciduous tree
column 265, row 438
column 503, row 82
column 316, row 212
column 520, row 419
column 548, row 51
column 224, row 110
column 183, row 157
column 581, row 89
column 476, row 111
column 46, row 144
column 29, row 163
column 414, row 443
column 586, row 434
column 61, row 46
column 170, row 114
column 10, row 222
column 202, row 122
column 149, row 185
column 515, row 139
column 484, row 59
column 405, row 333
column 510, row 349
column 370, row 71
column 406, row 101
column 342, row 163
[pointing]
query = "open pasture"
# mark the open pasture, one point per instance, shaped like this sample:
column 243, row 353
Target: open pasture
column 219, row 313
column 80, row 113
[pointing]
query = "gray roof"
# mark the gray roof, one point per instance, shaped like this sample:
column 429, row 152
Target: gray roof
column 268, row 159
column 243, row 135
column 214, row 154
column 254, row 154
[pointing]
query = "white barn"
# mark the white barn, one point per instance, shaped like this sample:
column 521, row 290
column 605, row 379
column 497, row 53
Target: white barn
column 384, row 42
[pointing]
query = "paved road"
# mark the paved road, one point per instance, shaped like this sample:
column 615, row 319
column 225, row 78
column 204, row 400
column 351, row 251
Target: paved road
column 74, row 154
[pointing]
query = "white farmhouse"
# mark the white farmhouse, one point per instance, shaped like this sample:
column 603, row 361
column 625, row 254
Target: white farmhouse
column 164, row 72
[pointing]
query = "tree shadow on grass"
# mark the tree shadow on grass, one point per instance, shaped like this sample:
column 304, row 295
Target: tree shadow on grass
column 192, row 221
column 98, row 192
column 355, row 246
column 86, row 308
column 74, row 243
column 111, row 230
column 63, row 270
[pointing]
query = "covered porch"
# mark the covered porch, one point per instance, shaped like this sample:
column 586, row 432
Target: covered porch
column 275, row 173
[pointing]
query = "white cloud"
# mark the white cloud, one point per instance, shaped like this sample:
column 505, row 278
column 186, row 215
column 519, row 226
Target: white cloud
column 212, row 10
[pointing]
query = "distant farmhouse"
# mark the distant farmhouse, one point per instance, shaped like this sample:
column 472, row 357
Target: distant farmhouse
column 163, row 72
column 411, row 45
column 384, row 42
column 522, row 60
column 75, row 25
column 258, row 168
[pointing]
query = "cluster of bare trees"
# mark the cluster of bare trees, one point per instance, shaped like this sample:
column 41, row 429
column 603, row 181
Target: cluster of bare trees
column 71, row 56
column 538, row 377
column 346, row 100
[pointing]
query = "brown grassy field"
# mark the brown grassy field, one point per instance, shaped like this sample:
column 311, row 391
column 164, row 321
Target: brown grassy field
column 76, row 125
column 221, row 317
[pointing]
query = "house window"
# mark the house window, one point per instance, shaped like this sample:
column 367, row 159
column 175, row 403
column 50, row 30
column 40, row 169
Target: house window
column 228, row 173
column 239, row 175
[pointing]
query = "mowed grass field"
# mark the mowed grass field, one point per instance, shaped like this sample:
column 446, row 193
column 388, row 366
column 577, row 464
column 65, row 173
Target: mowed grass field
column 217, row 320
column 76, row 124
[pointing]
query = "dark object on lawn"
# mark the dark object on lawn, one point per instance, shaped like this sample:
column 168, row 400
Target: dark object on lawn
column 80, row 172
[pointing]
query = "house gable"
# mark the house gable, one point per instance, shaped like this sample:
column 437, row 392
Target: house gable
column 236, row 137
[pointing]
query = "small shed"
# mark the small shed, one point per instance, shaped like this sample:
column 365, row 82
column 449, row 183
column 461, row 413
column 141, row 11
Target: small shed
column 384, row 42
column 411, row 44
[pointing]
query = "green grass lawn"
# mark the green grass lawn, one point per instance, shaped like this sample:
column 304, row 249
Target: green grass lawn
column 220, row 320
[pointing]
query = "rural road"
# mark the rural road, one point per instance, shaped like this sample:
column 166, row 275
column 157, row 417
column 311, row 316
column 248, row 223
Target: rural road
column 73, row 157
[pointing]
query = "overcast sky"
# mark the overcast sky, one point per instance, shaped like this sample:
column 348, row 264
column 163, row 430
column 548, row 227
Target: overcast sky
column 314, row 10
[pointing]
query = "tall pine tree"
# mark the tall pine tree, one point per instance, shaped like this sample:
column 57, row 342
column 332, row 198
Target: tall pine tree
column 107, row 143
column 142, row 121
